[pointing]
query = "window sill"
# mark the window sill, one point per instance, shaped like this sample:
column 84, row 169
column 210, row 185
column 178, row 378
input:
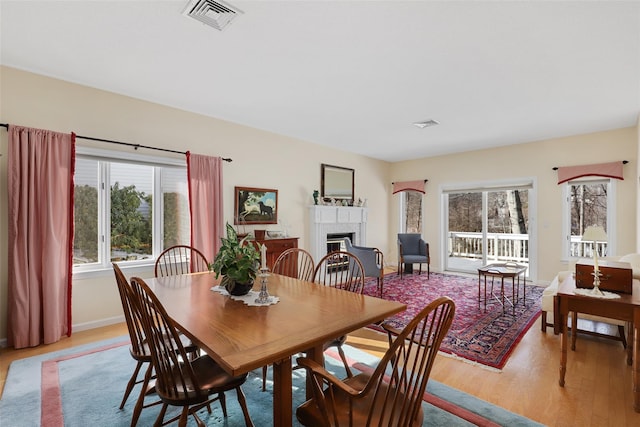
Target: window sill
column 129, row 270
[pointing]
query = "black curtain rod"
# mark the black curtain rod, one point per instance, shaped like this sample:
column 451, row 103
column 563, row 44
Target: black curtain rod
column 426, row 180
column 624, row 162
column 135, row 146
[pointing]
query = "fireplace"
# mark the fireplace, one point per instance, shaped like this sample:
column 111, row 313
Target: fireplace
column 340, row 221
column 335, row 241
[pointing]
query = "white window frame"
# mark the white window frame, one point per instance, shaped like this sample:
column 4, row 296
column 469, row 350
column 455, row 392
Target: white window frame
column 104, row 208
column 566, row 215
column 402, row 204
column 528, row 183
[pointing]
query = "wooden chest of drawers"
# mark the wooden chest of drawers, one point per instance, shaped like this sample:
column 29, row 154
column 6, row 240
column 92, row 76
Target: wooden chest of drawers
column 616, row 276
column 276, row 246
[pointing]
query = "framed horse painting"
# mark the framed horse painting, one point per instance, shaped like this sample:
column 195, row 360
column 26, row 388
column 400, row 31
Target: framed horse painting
column 255, row 206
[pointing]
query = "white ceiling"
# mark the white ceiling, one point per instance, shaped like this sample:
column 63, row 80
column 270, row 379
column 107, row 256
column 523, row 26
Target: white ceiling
column 354, row 75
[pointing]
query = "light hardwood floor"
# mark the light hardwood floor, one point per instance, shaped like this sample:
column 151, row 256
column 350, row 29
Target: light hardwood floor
column 597, row 391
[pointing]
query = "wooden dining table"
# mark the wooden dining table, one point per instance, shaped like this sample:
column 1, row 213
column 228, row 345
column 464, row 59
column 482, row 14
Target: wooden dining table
column 242, row 338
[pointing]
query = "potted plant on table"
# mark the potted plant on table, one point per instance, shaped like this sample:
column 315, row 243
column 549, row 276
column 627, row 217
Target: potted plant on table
column 238, row 261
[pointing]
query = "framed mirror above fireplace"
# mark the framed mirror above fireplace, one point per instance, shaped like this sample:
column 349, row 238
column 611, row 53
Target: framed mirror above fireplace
column 337, row 183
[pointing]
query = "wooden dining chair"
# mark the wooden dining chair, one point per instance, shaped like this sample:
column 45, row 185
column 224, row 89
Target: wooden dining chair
column 341, row 270
column 180, row 259
column 296, row 263
column 181, row 381
column 139, row 349
column 392, row 393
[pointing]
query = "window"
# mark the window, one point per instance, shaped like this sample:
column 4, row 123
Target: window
column 588, row 202
column 411, row 212
column 128, row 208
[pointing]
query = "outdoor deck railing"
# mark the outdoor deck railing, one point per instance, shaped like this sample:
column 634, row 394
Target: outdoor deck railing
column 508, row 247
column 503, row 247
column 582, row 249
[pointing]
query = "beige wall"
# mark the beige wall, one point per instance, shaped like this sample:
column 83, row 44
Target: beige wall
column 260, row 159
column 264, row 159
column 535, row 159
column 637, row 181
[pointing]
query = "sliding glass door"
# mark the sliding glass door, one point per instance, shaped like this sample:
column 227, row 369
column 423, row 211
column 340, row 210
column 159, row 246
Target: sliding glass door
column 465, row 230
column 485, row 226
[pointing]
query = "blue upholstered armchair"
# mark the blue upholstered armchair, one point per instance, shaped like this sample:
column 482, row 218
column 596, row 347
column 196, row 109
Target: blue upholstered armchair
column 412, row 249
column 372, row 261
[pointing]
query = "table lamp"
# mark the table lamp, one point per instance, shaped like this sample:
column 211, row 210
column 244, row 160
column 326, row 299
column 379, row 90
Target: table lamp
column 595, row 233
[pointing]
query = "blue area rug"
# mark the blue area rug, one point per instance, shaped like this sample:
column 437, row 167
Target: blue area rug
column 83, row 386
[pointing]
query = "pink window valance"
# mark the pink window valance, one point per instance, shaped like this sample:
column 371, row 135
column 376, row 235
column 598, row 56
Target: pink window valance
column 606, row 170
column 409, row 186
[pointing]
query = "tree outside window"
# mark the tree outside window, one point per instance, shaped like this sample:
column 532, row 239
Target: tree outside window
column 412, row 211
column 588, row 206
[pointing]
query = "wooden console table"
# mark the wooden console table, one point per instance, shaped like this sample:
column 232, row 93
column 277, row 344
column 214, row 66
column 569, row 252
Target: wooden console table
column 276, row 246
column 626, row 308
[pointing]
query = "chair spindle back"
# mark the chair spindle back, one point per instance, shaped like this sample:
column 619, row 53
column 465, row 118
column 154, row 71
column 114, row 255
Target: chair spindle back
column 180, row 259
column 296, row 263
column 342, row 270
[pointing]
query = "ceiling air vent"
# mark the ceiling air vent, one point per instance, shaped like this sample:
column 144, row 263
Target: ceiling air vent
column 216, row 14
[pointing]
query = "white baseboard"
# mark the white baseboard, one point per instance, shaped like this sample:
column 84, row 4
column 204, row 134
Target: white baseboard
column 83, row 326
column 542, row 283
column 97, row 324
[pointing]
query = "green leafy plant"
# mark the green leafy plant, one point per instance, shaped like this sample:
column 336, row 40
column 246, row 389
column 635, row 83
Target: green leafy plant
column 238, row 260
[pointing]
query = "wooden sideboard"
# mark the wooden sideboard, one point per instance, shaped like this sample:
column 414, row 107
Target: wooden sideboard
column 276, row 246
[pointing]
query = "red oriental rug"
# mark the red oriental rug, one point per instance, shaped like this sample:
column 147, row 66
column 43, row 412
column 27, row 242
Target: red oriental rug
column 485, row 337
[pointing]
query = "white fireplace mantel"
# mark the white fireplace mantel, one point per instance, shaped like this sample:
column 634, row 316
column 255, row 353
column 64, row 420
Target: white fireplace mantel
column 324, row 220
